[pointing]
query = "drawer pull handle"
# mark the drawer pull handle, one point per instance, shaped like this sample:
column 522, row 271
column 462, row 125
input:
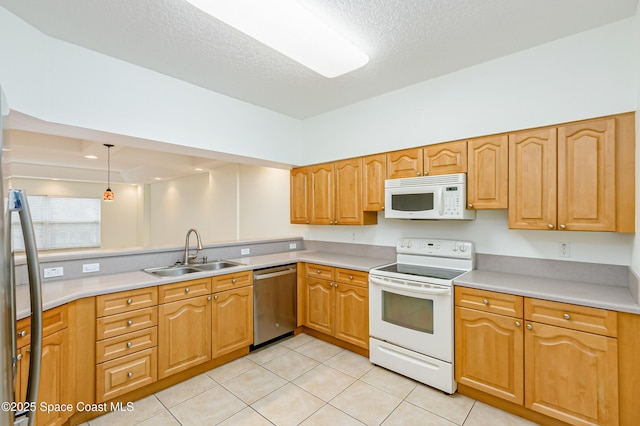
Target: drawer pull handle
column 485, row 301
column 529, row 327
column 129, row 301
column 186, row 290
column 19, row 357
column 233, row 280
column 22, row 333
column 350, row 277
column 550, row 226
column 517, row 323
column 566, row 316
column 215, row 297
column 129, row 344
column 129, row 374
column 318, row 271
column 129, row 323
column 209, row 298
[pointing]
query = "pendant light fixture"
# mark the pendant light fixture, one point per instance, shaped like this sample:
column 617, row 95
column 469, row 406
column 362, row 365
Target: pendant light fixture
column 108, row 194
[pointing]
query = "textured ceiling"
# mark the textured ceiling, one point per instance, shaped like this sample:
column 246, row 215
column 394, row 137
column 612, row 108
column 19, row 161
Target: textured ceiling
column 408, row 41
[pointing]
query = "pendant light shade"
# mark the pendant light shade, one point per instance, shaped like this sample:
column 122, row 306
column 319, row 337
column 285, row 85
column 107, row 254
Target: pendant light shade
column 108, row 194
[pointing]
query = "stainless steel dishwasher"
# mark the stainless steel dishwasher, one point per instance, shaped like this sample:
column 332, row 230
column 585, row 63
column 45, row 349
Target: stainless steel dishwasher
column 274, row 302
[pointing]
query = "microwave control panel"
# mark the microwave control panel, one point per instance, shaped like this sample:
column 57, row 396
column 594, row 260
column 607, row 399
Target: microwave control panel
column 454, row 201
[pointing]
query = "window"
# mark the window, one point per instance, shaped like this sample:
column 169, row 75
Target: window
column 60, row 223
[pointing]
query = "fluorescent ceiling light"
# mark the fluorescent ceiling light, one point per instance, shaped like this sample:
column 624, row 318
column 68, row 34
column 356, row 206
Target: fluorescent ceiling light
column 292, row 30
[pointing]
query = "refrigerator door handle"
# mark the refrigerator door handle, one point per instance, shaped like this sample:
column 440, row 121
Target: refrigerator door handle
column 18, row 202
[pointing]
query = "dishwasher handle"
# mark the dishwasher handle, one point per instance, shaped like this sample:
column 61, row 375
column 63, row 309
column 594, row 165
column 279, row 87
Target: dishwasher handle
column 278, row 273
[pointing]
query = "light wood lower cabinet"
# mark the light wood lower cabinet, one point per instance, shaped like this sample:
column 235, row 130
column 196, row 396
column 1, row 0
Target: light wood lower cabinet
column 184, row 335
column 56, row 371
column 338, row 306
column 232, row 320
column 541, row 358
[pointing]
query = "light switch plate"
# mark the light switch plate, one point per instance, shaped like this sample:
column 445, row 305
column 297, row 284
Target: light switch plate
column 90, row 267
column 53, row 272
column 292, row 246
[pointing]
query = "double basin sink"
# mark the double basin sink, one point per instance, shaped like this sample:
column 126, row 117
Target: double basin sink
column 177, row 270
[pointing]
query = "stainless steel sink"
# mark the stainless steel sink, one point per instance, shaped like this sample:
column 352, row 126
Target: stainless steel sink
column 215, row 265
column 173, row 271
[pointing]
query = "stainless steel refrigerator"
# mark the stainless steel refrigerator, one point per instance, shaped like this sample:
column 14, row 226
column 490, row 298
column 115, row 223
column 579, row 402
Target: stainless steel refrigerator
column 13, row 412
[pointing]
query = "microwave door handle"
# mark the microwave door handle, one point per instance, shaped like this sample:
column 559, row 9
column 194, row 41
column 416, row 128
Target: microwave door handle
column 441, row 204
column 18, row 202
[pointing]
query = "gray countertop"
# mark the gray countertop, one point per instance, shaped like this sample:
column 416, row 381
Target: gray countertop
column 57, row 293
column 612, row 297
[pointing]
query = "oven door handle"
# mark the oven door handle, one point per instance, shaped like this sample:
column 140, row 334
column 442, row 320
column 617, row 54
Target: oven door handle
column 419, row 290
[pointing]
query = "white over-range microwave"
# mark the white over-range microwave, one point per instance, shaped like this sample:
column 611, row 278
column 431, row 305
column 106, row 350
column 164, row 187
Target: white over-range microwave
column 428, row 197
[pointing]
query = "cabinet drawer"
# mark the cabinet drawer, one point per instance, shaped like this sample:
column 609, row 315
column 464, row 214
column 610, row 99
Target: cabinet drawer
column 116, row 325
column 229, row 281
column 126, row 344
column 581, row 318
column 319, row 271
column 349, row 276
column 52, row 320
column 126, row 301
column 184, row 290
column 489, row 301
column 125, row 374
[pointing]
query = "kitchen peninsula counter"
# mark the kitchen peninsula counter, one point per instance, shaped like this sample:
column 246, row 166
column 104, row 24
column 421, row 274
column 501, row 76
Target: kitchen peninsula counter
column 57, row 293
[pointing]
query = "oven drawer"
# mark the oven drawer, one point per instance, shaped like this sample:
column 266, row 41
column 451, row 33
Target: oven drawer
column 581, row 318
column 349, row 276
column 319, row 271
column 489, row 301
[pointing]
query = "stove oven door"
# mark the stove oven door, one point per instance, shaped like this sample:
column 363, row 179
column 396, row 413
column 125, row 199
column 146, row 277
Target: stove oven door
column 412, row 315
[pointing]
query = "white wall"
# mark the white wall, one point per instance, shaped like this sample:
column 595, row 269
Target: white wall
column 63, row 83
column 586, row 75
column 120, row 224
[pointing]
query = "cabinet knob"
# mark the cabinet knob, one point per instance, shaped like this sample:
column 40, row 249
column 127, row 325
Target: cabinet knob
column 418, row 173
column 233, row 280
column 129, row 344
column 19, row 357
column 485, row 301
column 318, row 271
column 350, row 277
column 518, row 324
column 129, row 301
column 470, row 205
column 129, row 374
column 215, row 297
column 129, row 323
column 335, row 285
column 551, row 226
column 335, row 223
column 566, row 316
column 529, row 327
column 563, row 226
column 22, row 333
column 186, row 290
column 209, row 298
column 307, row 221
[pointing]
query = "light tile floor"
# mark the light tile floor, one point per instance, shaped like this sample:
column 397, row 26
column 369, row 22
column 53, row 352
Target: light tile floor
column 305, row 381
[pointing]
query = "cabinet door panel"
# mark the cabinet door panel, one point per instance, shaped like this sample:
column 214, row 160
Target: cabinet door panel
column 352, row 314
column 571, row 375
column 348, row 192
column 319, row 315
column 586, row 176
column 299, row 208
column 232, row 319
column 444, row 158
column 532, row 179
column 322, row 194
column 406, row 163
column 488, row 179
column 374, row 174
column 489, row 353
column 184, row 335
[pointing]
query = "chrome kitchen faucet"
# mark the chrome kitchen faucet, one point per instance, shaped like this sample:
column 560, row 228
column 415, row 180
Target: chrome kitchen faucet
column 187, row 255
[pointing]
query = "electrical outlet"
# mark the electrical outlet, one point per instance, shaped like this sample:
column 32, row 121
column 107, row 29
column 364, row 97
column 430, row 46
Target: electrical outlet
column 53, row 272
column 90, row 267
column 245, row 251
column 292, row 246
column 565, row 250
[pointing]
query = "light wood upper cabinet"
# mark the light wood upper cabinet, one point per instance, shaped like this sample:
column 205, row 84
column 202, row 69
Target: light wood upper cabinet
column 488, row 173
column 445, row 158
column 300, row 189
column 586, row 176
column 321, row 194
column 374, row 173
column 405, row 163
column 533, row 179
column 348, row 177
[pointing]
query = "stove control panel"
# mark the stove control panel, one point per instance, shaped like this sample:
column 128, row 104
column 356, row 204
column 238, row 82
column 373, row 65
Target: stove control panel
column 433, row 247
